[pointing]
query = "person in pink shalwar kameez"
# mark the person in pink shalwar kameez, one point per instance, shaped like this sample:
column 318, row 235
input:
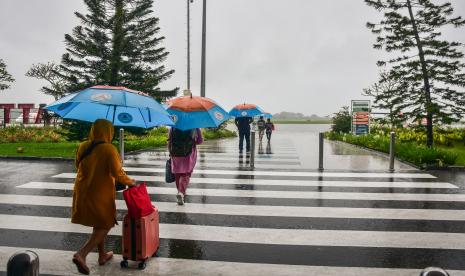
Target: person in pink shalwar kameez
column 183, row 166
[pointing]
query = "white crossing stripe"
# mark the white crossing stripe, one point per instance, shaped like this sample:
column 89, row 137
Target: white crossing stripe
column 57, row 262
column 217, row 164
column 259, row 235
column 209, row 155
column 275, row 194
column 305, row 183
column 285, row 173
column 258, row 210
column 262, row 160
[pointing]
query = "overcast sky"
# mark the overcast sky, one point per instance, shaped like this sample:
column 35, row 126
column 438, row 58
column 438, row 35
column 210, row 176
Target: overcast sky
column 304, row 56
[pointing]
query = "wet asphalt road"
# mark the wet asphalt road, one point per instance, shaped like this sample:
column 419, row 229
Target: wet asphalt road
column 283, row 219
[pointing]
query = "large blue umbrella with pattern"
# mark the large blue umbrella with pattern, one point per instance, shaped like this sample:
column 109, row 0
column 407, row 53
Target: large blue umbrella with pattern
column 246, row 110
column 122, row 106
column 189, row 112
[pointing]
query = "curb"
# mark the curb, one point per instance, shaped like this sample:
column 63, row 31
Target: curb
column 35, row 158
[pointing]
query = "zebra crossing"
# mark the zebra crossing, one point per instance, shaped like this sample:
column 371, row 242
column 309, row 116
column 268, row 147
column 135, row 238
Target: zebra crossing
column 278, row 219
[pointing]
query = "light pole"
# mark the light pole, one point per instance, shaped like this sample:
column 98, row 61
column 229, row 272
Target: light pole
column 204, row 31
column 189, row 44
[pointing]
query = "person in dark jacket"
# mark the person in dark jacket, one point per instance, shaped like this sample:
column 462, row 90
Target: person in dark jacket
column 269, row 126
column 243, row 125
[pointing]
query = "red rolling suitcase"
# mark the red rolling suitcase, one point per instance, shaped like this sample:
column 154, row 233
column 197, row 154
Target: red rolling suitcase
column 140, row 239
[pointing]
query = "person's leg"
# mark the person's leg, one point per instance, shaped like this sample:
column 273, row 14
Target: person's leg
column 177, row 177
column 268, row 135
column 103, row 257
column 184, row 182
column 247, row 140
column 241, row 140
column 179, row 186
column 260, row 135
column 79, row 258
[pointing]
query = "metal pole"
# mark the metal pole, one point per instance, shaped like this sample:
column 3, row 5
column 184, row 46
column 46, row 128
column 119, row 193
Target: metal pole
column 189, row 45
column 320, row 154
column 23, row 263
column 121, row 144
column 204, row 33
column 392, row 151
column 252, row 149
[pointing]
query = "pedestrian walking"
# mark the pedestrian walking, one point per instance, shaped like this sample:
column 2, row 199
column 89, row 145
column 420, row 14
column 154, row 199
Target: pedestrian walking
column 243, row 126
column 269, row 126
column 261, row 128
column 182, row 146
column 98, row 166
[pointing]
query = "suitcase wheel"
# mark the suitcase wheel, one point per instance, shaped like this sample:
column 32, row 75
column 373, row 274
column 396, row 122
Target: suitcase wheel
column 124, row 264
column 156, row 253
column 142, row 265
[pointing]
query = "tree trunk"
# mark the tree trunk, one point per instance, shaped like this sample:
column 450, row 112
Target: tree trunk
column 421, row 53
column 115, row 62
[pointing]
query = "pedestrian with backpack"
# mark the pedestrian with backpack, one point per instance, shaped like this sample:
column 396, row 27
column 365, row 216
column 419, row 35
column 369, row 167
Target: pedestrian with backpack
column 182, row 146
column 261, row 128
column 269, row 126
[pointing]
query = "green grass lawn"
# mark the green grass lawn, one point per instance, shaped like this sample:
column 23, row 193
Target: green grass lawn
column 62, row 149
column 459, row 149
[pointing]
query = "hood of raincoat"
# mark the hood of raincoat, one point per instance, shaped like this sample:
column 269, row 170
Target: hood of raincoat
column 102, row 130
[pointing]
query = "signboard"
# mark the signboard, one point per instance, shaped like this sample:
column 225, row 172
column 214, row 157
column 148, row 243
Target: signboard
column 360, row 111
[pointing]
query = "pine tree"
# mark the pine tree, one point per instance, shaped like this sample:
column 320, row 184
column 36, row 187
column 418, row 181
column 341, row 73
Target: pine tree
column 49, row 72
column 5, row 77
column 117, row 44
column 388, row 95
column 432, row 67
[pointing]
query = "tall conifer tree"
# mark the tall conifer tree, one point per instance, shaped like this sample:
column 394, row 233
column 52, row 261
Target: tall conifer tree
column 432, row 66
column 117, row 43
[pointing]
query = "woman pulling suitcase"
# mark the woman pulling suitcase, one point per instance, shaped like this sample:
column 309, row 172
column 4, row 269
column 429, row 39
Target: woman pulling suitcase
column 98, row 166
column 182, row 146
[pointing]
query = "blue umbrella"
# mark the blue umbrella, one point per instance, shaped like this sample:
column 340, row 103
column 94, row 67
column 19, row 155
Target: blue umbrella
column 122, row 106
column 246, row 110
column 191, row 112
column 266, row 115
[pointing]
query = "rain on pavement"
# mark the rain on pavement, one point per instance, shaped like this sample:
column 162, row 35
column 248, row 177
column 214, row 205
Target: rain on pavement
column 282, row 218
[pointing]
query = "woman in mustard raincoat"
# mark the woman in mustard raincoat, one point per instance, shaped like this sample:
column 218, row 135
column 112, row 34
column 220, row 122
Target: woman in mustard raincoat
column 94, row 190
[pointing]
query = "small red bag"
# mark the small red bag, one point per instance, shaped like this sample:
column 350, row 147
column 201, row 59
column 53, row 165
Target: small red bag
column 138, row 201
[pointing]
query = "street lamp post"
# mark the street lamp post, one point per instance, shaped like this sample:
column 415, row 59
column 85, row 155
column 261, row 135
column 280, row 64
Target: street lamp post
column 204, row 31
column 189, row 44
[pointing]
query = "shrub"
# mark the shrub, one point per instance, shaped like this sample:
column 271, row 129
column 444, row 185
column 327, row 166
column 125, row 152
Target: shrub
column 342, row 120
column 217, row 133
column 409, row 151
column 20, row 134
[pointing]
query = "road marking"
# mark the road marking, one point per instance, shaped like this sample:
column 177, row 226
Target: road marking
column 285, row 173
column 275, row 194
column 257, row 210
column 56, row 262
column 217, row 164
column 259, row 235
column 301, row 183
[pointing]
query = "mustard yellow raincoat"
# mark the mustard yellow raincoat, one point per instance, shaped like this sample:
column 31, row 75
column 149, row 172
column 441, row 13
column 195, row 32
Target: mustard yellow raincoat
column 94, row 188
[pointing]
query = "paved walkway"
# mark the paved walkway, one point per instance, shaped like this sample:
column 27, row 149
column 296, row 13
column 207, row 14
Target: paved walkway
column 280, row 219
